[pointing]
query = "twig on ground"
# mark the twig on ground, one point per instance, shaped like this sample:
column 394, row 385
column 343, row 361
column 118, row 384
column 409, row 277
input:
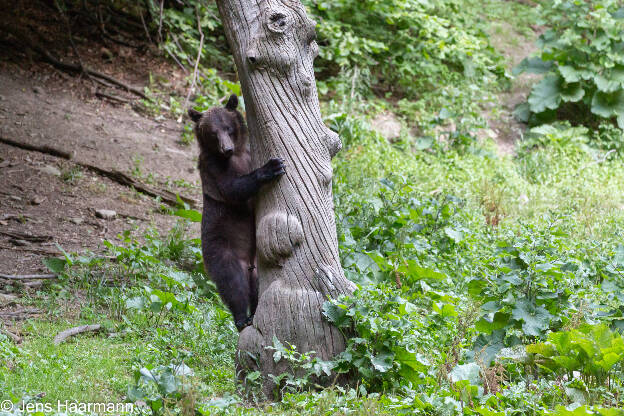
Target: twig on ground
column 41, row 149
column 27, row 237
column 16, row 338
column 62, row 336
column 112, row 97
column 121, row 178
column 20, row 315
column 28, row 276
column 31, row 250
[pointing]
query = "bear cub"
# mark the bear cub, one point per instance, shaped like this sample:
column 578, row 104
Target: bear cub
column 228, row 230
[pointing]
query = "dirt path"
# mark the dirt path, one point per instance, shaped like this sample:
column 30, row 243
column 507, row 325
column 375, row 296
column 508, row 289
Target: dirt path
column 515, row 46
column 46, row 196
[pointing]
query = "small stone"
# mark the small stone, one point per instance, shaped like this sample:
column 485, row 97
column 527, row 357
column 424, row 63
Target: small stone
column 105, row 214
column 76, row 221
column 20, row 243
column 50, row 170
column 4, row 223
column 523, row 199
column 15, row 198
column 6, row 299
column 5, row 164
column 387, row 125
column 38, row 90
column 37, row 200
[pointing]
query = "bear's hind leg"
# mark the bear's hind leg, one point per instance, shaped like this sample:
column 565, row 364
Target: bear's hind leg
column 233, row 285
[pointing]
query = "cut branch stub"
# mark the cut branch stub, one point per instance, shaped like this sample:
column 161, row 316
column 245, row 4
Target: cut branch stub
column 273, row 42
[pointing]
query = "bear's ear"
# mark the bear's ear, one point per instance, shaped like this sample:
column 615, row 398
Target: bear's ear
column 194, row 115
column 232, row 103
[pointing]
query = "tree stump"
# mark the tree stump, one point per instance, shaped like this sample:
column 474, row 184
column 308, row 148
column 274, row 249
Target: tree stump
column 274, row 47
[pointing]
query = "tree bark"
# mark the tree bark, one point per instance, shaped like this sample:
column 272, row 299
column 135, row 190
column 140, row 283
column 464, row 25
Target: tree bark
column 273, row 42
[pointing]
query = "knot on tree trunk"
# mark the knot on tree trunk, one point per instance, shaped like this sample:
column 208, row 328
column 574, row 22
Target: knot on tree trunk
column 277, row 235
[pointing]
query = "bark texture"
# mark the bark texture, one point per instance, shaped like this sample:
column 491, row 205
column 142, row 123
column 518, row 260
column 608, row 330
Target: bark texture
column 273, row 42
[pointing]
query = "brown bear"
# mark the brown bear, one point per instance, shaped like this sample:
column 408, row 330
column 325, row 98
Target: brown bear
column 229, row 185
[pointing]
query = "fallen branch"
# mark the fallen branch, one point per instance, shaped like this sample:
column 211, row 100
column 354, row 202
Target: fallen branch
column 27, row 237
column 112, row 98
column 16, row 338
column 25, row 40
column 28, row 276
column 121, row 178
column 36, row 148
column 19, row 315
column 31, row 250
column 62, row 336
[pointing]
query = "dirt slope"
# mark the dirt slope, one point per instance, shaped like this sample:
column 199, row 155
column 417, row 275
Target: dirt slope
column 47, row 196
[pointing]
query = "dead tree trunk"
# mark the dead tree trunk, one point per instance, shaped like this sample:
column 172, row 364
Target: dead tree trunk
column 273, row 42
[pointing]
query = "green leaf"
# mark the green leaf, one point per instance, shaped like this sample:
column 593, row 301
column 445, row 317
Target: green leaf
column 189, row 214
column 453, row 234
column 411, row 359
column 569, row 74
column 608, row 105
column 335, row 314
column 533, row 66
column 535, row 319
column 55, row 264
column 469, row 372
column 608, row 361
column 486, row 347
column 605, row 84
column 546, row 94
column 572, row 93
column 542, row 348
column 383, row 362
column 417, row 272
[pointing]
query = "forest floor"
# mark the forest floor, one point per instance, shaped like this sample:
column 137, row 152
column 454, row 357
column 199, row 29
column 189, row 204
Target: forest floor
column 47, row 201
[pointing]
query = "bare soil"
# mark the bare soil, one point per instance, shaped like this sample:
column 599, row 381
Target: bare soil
column 515, row 46
column 45, row 196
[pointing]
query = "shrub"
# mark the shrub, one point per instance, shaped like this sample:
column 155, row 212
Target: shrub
column 582, row 57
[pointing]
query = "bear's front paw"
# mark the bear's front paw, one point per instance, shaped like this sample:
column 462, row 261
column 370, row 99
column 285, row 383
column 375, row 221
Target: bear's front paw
column 273, row 169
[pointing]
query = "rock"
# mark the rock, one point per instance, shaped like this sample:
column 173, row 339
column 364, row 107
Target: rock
column 76, row 221
column 50, row 170
column 37, row 200
column 105, row 214
column 15, row 198
column 523, row 199
column 38, row 90
column 6, row 299
column 4, row 223
column 387, row 125
column 19, row 242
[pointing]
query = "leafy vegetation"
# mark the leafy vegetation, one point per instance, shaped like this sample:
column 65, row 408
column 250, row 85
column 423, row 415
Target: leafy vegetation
column 488, row 284
column 582, row 57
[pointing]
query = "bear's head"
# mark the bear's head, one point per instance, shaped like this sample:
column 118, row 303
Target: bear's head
column 220, row 131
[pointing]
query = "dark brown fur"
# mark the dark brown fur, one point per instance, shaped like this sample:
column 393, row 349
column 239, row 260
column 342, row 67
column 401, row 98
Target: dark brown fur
column 228, row 226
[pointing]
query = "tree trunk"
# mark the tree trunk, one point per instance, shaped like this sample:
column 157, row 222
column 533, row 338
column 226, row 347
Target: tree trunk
column 273, row 42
